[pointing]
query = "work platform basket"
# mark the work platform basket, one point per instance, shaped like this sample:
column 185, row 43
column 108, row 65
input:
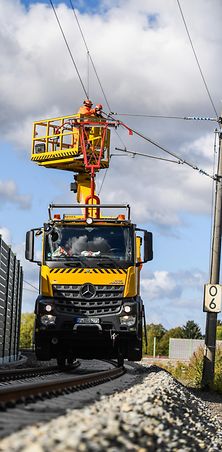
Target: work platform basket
column 72, row 143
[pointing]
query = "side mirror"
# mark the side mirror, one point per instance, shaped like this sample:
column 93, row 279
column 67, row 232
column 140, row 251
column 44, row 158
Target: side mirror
column 148, row 246
column 30, row 245
column 29, row 248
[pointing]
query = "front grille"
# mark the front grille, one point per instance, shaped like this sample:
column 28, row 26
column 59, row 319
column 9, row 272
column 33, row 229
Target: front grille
column 107, row 299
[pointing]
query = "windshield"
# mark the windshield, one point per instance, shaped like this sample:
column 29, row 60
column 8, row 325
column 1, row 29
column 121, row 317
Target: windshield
column 106, row 244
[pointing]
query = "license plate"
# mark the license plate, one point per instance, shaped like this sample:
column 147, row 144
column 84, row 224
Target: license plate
column 87, row 320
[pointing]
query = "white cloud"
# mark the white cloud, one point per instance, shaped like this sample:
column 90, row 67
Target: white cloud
column 166, row 285
column 173, row 298
column 9, row 194
column 143, row 67
column 6, row 234
column 146, row 65
column 160, row 285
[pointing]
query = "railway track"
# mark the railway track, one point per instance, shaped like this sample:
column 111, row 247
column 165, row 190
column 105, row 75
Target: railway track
column 16, row 374
column 24, row 391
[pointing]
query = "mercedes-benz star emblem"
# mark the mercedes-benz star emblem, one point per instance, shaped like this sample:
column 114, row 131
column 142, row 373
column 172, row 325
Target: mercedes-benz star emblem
column 88, row 291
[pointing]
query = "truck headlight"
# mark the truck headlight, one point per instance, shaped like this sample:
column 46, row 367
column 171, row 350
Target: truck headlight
column 127, row 308
column 48, row 319
column 128, row 320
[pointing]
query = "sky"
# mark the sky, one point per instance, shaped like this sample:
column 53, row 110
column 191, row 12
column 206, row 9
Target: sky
column 145, row 62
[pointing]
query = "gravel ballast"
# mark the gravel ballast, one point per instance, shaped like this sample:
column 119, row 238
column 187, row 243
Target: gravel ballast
column 157, row 414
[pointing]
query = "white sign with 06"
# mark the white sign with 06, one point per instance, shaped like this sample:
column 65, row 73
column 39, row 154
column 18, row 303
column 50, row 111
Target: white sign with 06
column 212, row 298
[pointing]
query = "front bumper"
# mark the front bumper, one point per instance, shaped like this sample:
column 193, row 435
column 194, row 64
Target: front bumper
column 77, row 322
column 66, row 336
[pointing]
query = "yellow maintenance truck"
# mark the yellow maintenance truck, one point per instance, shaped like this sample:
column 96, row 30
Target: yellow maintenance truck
column 89, row 305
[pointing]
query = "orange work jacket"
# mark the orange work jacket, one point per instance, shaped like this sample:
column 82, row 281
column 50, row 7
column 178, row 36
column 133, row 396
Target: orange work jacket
column 86, row 111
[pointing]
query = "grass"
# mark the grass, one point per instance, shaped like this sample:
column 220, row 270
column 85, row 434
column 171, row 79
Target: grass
column 190, row 374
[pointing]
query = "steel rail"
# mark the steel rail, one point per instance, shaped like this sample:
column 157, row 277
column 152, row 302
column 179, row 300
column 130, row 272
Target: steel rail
column 16, row 374
column 21, row 392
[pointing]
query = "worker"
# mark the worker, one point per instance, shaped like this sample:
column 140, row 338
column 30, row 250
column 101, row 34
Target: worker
column 86, row 109
column 98, row 110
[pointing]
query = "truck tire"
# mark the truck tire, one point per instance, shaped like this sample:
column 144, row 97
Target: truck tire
column 61, row 362
column 135, row 350
column 120, row 360
column 42, row 355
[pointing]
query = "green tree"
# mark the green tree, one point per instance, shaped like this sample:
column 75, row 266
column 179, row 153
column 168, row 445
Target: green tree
column 153, row 330
column 191, row 330
column 26, row 330
column 164, row 342
column 219, row 332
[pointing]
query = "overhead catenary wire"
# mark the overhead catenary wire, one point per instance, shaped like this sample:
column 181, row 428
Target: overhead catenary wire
column 111, row 155
column 105, row 174
column 118, row 155
column 99, row 81
column 69, row 50
column 197, row 60
column 134, row 153
column 88, row 74
column 103, row 180
column 187, row 118
column 29, row 290
column 31, row 285
column 138, row 133
column 96, row 73
column 120, row 138
column 173, row 154
column 146, row 116
column 89, row 58
column 182, row 160
column 89, row 55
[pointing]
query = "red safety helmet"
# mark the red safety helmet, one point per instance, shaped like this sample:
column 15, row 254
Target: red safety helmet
column 88, row 103
column 99, row 107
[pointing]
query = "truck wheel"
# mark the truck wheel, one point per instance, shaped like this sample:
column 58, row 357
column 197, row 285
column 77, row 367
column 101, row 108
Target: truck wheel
column 135, row 355
column 120, row 360
column 70, row 360
column 135, row 351
column 61, row 362
column 42, row 355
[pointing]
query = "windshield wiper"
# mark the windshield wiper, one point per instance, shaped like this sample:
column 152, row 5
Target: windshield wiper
column 107, row 261
column 70, row 261
column 75, row 263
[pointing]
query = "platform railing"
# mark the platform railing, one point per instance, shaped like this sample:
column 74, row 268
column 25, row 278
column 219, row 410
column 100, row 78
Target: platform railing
column 58, row 141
